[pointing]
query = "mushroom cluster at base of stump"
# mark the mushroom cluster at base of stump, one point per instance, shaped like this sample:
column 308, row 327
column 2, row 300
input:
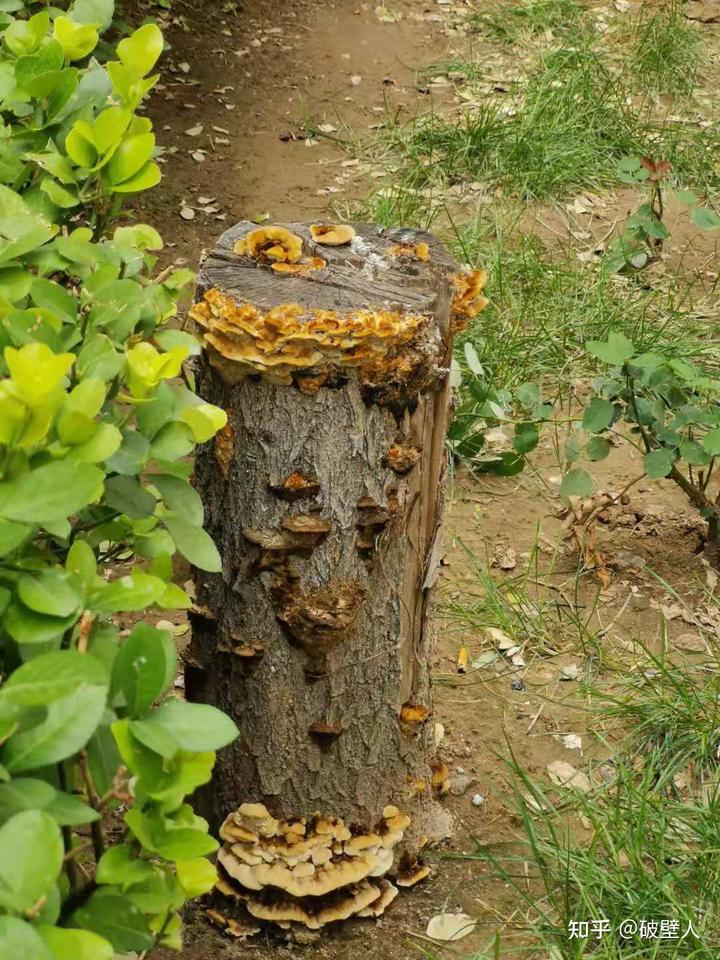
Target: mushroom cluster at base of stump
column 309, row 871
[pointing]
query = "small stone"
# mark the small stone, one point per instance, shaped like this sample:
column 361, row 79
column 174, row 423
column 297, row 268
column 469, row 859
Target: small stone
column 517, row 684
column 187, row 213
column 478, row 800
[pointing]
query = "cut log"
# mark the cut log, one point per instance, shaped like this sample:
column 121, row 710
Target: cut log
column 324, row 497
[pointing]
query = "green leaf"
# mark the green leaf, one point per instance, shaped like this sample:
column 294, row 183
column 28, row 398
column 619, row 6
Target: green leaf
column 20, row 941
column 144, row 668
column 130, row 157
column 193, row 542
column 616, row 350
column 529, row 395
column 711, row 442
column 97, row 12
column 103, row 758
column 182, row 837
column 51, row 676
column 576, row 483
column 196, row 876
column 24, row 793
column 179, row 496
column 12, row 535
column 204, row 420
column 26, row 626
column 114, row 917
column 70, row 811
column 597, row 448
column 658, row 463
column 472, row 359
column 76, row 39
column 120, row 866
column 173, row 441
column 170, row 339
column 50, row 591
column 140, row 51
column 98, row 358
column 598, row 415
column 130, row 458
column 507, row 464
column 694, row 453
column 165, row 781
column 31, row 856
column 136, row 591
column 75, row 944
column 704, row 218
column 52, row 492
column 126, row 495
column 688, row 198
column 69, row 724
column 526, row 437
column 177, row 725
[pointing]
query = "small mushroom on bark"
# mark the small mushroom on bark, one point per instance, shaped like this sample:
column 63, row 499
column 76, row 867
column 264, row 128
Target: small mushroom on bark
column 332, row 234
column 401, row 458
column 270, row 244
column 296, row 486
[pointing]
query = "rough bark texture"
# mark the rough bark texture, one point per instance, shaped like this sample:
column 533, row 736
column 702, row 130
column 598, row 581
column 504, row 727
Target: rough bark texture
column 317, row 635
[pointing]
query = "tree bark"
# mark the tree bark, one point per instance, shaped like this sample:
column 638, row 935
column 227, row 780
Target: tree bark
column 324, row 497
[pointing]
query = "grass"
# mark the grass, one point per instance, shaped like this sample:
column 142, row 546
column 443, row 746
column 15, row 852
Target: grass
column 672, row 713
column 666, row 53
column 545, row 307
column 645, row 858
column 532, row 16
column 565, row 128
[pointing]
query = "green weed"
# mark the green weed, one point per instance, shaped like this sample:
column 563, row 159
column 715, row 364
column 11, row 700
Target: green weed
column 508, row 23
column 644, row 858
column 543, row 308
column 667, row 51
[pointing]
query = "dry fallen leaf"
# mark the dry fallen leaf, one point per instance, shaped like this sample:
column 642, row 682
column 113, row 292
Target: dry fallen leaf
column 564, row 774
column 500, row 638
column 450, row 926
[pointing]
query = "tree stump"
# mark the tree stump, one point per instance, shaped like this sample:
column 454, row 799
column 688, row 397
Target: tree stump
column 324, row 497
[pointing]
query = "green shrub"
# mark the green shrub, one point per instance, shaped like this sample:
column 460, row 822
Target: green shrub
column 94, row 432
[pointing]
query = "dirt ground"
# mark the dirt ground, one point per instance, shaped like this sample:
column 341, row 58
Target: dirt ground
column 237, row 90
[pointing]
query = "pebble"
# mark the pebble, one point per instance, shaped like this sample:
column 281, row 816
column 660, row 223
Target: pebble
column 478, row 800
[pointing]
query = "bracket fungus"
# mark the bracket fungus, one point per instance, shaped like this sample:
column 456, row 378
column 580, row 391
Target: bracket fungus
column 332, row 234
column 468, row 300
column 288, row 339
column 308, row 872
